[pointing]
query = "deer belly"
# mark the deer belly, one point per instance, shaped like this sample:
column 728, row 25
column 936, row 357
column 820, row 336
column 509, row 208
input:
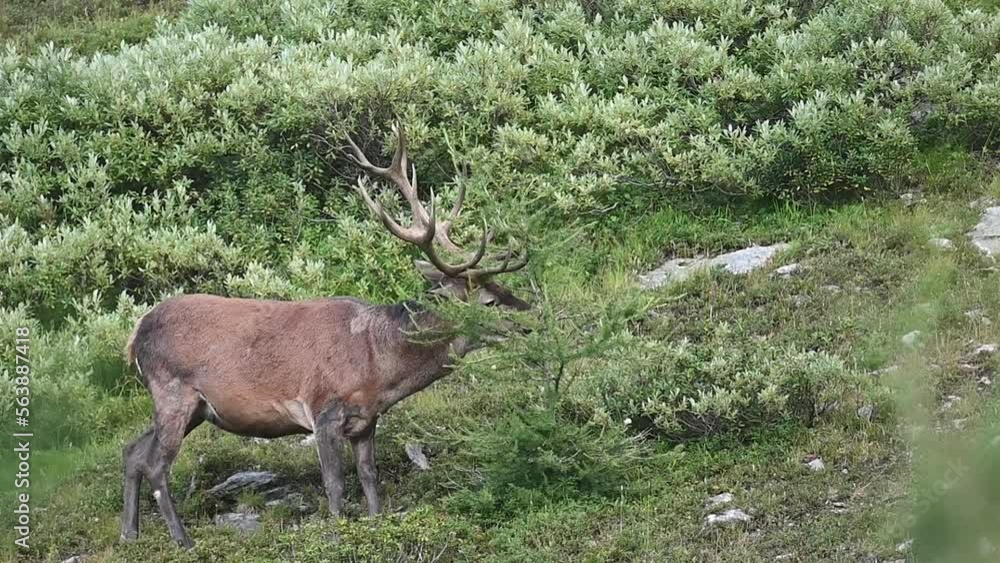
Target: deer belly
column 267, row 419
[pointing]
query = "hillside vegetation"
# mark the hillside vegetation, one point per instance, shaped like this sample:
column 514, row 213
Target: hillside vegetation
column 200, row 152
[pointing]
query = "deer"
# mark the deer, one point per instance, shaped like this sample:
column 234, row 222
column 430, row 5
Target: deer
column 330, row 366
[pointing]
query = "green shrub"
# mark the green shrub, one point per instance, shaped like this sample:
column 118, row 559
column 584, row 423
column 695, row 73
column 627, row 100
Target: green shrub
column 724, row 383
column 538, row 456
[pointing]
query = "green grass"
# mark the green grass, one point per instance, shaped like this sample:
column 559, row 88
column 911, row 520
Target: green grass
column 868, row 277
column 86, row 27
column 890, row 282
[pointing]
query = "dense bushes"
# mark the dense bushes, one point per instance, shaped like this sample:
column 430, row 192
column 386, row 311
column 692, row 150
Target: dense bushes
column 190, row 162
column 726, row 382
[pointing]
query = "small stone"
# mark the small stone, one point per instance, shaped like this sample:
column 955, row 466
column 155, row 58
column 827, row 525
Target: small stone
column 985, row 381
column 942, row 243
column 986, row 350
column 244, row 522
column 276, row 493
column 783, row 557
column 975, row 314
column 885, row 371
column 254, row 480
column 905, row 547
column 308, row 441
column 968, row 368
column 416, row 454
column 959, row 423
column 801, row 300
column 74, row 559
column 911, row 339
column 922, row 113
column 986, row 235
column 294, row 501
column 719, row 500
column 867, row 412
column 816, row 465
column 787, row 270
column 831, row 288
column 910, row 199
column 949, row 402
column 729, row 517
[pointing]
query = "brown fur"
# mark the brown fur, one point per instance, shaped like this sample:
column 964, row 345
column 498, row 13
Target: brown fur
column 273, row 368
column 247, row 357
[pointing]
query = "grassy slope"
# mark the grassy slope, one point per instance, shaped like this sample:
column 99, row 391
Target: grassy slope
column 85, row 26
column 890, row 282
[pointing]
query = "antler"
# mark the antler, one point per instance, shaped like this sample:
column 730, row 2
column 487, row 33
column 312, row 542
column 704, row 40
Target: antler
column 425, row 228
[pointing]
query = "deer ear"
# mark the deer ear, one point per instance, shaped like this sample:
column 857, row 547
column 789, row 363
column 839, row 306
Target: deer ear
column 428, row 270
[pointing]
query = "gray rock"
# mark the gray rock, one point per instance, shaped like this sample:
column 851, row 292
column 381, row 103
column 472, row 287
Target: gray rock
column 277, row 493
column 978, row 315
column 74, row 559
column 922, row 113
column 738, row 262
column 787, row 271
column 415, row 452
column 719, row 500
column 986, row 235
column 294, row 501
column 308, row 441
column 942, row 243
column 905, row 547
column 254, row 480
column 911, row 338
column 949, row 402
column 910, row 199
column 816, row 465
column 244, row 522
column 867, row 412
column 729, row 517
column 986, row 350
column 831, row 288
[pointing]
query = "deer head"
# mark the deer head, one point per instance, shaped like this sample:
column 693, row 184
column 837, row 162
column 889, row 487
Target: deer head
column 467, row 280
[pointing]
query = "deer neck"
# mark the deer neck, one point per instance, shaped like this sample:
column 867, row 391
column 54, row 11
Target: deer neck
column 414, row 355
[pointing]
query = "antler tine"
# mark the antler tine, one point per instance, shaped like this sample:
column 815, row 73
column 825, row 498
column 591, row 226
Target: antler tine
column 459, row 270
column 504, row 268
column 425, row 228
column 399, row 159
column 410, row 235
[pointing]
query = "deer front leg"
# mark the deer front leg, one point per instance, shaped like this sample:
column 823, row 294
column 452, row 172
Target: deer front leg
column 364, row 455
column 330, row 443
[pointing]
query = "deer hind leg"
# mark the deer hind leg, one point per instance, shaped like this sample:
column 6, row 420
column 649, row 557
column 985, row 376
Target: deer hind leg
column 363, row 445
column 178, row 411
column 133, row 457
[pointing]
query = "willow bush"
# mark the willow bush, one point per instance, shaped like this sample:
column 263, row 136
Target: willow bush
column 191, row 161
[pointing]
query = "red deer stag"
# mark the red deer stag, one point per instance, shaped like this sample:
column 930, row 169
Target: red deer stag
column 273, row 368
